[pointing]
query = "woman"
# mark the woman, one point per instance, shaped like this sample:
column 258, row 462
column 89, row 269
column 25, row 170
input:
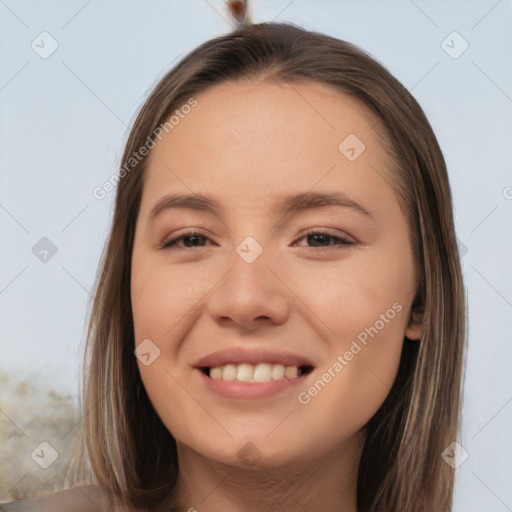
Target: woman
column 283, row 264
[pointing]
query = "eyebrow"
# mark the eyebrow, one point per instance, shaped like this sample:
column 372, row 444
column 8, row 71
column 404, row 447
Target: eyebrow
column 287, row 205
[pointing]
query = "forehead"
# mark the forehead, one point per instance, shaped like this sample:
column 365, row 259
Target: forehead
column 294, row 112
column 298, row 98
column 253, row 137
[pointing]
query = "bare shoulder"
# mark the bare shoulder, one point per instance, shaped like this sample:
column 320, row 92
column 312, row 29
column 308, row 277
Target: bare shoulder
column 78, row 499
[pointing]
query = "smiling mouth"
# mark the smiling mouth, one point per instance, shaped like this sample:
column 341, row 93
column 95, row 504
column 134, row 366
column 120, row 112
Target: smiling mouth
column 259, row 373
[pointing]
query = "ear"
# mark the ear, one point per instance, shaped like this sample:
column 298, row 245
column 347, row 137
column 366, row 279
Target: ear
column 415, row 325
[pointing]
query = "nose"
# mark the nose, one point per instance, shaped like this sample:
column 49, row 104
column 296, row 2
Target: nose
column 250, row 295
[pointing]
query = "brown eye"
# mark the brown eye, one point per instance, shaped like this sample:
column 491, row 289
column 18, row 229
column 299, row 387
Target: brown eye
column 190, row 240
column 322, row 239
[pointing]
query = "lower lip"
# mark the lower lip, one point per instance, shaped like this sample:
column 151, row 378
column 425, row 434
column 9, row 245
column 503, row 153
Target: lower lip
column 235, row 389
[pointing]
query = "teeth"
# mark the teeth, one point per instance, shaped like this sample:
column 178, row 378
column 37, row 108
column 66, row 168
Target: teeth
column 290, row 372
column 244, row 372
column 228, row 372
column 262, row 372
column 277, row 372
column 216, row 373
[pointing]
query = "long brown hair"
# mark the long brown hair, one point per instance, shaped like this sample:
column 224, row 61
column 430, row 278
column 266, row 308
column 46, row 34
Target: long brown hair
column 131, row 453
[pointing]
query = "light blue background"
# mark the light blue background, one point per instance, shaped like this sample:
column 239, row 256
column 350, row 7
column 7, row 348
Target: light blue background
column 64, row 121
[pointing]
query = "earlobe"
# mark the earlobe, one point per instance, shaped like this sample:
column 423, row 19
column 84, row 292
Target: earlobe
column 413, row 332
column 415, row 325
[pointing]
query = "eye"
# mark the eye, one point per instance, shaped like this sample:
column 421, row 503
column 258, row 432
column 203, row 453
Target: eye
column 194, row 239
column 191, row 240
column 321, row 239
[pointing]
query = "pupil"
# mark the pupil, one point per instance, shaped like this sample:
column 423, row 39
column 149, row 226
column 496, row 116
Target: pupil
column 319, row 237
column 191, row 237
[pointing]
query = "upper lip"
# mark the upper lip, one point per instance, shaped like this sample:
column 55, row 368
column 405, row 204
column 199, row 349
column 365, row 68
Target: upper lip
column 238, row 355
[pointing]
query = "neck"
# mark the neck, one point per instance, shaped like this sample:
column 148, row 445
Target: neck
column 327, row 484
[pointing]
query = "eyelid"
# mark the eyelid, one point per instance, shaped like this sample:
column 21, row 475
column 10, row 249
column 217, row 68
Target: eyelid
column 168, row 240
column 343, row 235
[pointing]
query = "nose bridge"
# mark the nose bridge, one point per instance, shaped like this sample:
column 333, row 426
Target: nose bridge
column 249, row 290
column 249, row 263
column 250, row 250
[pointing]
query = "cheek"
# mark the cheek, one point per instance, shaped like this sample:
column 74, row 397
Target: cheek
column 163, row 301
column 364, row 302
column 354, row 294
column 162, row 297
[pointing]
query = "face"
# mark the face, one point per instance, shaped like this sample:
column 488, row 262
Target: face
column 273, row 332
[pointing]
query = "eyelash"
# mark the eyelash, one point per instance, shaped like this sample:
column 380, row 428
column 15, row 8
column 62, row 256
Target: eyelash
column 171, row 244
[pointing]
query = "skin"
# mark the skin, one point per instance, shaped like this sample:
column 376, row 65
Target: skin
column 249, row 145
